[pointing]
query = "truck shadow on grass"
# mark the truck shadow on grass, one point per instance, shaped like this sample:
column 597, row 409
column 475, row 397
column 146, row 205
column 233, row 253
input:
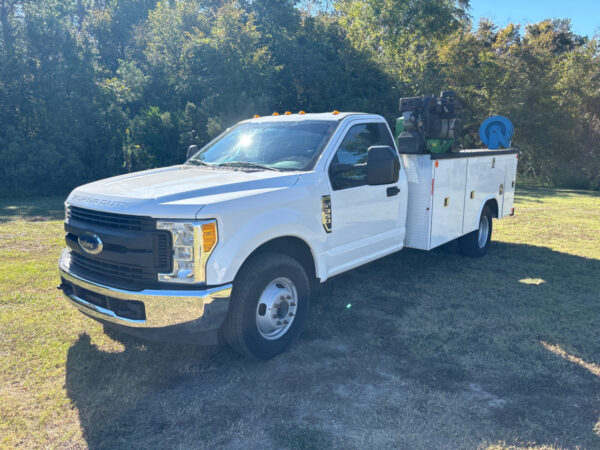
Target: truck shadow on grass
column 417, row 350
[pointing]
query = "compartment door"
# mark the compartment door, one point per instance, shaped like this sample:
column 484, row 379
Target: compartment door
column 448, row 200
column 485, row 175
column 510, row 176
column 473, row 195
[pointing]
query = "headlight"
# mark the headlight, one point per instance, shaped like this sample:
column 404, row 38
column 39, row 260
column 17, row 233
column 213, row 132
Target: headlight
column 193, row 242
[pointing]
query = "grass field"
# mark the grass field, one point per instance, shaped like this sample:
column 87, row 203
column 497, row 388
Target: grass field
column 417, row 350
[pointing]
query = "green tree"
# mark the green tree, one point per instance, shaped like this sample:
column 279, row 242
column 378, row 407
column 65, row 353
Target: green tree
column 92, row 88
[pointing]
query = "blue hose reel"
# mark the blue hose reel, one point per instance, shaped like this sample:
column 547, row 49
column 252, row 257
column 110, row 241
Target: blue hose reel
column 496, row 132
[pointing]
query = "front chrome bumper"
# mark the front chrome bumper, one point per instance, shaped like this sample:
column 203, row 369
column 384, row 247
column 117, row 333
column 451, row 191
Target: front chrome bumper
column 170, row 313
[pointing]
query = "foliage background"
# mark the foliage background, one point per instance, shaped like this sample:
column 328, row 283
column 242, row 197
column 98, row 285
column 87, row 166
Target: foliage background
column 93, row 88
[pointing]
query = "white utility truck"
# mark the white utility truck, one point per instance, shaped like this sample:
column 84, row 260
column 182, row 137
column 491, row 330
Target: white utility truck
column 231, row 243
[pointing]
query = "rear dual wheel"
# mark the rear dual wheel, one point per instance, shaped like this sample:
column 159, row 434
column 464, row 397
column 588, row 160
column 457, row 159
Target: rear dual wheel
column 269, row 306
column 477, row 242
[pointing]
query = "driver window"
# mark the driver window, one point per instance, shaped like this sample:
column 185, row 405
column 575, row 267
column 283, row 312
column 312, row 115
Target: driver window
column 349, row 165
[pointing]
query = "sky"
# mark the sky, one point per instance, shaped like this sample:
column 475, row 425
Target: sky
column 584, row 14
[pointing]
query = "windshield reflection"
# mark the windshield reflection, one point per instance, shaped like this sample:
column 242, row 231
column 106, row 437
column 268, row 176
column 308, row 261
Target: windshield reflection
column 277, row 145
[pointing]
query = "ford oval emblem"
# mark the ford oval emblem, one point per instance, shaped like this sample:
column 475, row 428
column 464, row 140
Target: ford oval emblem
column 90, row 243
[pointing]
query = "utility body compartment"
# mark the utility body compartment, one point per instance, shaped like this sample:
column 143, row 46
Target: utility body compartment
column 447, row 192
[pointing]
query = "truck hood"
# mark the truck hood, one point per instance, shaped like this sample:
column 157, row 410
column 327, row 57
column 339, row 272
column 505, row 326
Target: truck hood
column 177, row 191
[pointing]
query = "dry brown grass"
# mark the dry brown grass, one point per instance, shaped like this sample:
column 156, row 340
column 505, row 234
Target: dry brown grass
column 435, row 351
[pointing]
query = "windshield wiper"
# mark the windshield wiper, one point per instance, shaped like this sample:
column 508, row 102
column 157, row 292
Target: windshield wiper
column 197, row 162
column 246, row 164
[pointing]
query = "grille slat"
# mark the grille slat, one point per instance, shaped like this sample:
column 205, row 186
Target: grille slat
column 162, row 245
column 111, row 220
column 117, row 270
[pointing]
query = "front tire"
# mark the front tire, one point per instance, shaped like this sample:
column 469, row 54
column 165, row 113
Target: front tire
column 269, row 306
column 477, row 242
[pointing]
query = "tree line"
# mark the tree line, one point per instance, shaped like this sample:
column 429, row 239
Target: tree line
column 94, row 88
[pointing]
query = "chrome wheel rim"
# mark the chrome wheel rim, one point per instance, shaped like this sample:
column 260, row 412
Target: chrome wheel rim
column 276, row 309
column 484, row 231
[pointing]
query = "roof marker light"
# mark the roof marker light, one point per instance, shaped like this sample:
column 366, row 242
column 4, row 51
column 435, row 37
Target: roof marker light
column 301, row 112
column 275, row 113
column 288, row 113
column 335, row 112
column 256, row 116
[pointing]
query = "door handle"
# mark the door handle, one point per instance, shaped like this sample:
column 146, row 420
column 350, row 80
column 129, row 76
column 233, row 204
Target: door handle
column 391, row 191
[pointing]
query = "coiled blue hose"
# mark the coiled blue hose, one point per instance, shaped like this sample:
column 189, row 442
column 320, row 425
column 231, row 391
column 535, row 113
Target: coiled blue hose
column 496, row 132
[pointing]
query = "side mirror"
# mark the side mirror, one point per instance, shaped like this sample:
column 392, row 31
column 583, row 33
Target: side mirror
column 192, row 149
column 383, row 165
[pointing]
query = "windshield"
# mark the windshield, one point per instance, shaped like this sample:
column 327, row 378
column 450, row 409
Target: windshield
column 270, row 145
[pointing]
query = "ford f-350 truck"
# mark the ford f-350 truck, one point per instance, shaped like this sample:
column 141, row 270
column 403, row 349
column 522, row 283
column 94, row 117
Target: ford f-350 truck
column 231, row 243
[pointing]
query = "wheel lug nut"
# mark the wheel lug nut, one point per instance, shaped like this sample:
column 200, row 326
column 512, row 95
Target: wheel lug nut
column 292, row 304
column 291, row 314
column 285, row 322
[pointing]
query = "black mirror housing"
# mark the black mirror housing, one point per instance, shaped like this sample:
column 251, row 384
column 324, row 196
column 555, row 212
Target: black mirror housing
column 383, row 165
column 192, row 149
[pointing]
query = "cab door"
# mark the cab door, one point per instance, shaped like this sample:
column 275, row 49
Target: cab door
column 367, row 221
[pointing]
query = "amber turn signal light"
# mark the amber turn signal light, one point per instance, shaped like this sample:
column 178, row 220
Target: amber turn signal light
column 209, row 236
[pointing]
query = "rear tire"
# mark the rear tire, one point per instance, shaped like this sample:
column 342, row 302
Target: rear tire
column 477, row 242
column 269, row 306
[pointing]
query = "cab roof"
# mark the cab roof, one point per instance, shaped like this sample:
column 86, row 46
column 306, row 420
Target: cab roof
column 337, row 116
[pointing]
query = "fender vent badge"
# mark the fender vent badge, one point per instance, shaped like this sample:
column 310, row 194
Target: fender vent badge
column 326, row 212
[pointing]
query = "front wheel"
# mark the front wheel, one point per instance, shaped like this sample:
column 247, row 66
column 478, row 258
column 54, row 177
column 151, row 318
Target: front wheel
column 269, row 305
column 477, row 242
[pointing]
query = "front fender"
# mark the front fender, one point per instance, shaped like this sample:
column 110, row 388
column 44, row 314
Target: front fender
column 246, row 235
